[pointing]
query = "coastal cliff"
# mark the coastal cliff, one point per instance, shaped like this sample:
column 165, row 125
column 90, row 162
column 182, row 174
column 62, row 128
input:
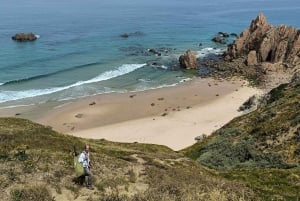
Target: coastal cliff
column 265, row 53
column 266, row 43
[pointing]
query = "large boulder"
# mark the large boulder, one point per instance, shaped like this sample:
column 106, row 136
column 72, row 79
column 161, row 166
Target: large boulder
column 271, row 44
column 22, row 37
column 251, row 58
column 188, row 60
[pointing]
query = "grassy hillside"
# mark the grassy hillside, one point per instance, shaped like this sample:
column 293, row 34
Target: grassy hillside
column 254, row 157
column 36, row 163
column 262, row 148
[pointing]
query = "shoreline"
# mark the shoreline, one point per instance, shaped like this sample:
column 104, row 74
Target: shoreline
column 171, row 116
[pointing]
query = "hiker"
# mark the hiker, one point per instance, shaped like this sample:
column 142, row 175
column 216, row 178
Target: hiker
column 84, row 159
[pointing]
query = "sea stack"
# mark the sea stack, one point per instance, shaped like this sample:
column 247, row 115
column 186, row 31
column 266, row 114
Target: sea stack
column 188, row 60
column 23, row 37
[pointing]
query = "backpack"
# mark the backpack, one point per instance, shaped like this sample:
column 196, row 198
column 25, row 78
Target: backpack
column 77, row 166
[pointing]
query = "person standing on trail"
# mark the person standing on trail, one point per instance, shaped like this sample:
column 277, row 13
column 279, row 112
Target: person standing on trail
column 84, row 159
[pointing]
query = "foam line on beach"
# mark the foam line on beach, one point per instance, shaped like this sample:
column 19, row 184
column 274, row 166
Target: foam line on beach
column 15, row 106
column 16, row 95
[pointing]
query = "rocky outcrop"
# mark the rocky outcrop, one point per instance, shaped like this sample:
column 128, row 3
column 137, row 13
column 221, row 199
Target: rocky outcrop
column 188, row 60
column 267, row 43
column 23, row 37
column 219, row 39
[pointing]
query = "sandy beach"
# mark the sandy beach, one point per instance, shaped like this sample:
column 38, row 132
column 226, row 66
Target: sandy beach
column 171, row 116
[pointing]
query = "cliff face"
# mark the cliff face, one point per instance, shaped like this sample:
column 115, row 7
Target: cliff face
column 267, row 43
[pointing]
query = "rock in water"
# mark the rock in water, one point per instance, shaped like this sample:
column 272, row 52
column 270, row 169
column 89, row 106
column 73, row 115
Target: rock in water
column 269, row 43
column 23, row 37
column 188, row 60
column 219, row 39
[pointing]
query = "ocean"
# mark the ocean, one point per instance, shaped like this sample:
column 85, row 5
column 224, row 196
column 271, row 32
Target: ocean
column 80, row 52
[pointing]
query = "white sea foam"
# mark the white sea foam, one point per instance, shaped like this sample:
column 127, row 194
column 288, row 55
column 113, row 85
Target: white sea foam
column 1, row 83
column 37, row 36
column 185, row 80
column 145, row 80
column 16, row 95
column 122, row 70
column 14, row 106
column 143, row 88
column 164, row 67
column 206, row 51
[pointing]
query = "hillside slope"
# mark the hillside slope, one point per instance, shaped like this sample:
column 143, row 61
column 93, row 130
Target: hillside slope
column 36, row 163
column 261, row 148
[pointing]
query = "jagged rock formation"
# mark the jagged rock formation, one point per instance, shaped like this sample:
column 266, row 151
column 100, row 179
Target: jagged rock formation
column 22, row 37
column 269, row 43
column 188, row 60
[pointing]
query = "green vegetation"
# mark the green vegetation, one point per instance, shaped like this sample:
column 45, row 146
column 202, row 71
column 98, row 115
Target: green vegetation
column 260, row 149
column 270, row 184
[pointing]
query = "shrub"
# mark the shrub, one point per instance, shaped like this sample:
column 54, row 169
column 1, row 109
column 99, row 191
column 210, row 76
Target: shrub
column 35, row 193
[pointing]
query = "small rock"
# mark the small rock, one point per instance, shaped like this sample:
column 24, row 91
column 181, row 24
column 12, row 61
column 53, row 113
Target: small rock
column 154, row 52
column 250, row 103
column 124, row 35
column 218, row 39
column 160, row 99
column 152, row 104
column 223, row 34
column 92, row 103
column 199, row 138
column 79, row 115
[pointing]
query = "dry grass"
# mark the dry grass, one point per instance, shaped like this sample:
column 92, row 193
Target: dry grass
column 33, row 154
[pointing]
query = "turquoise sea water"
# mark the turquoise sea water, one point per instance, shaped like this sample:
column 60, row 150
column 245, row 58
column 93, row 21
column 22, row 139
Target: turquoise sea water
column 80, row 52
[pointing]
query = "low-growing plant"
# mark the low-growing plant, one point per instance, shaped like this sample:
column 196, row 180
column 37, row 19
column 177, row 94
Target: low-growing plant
column 33, row 193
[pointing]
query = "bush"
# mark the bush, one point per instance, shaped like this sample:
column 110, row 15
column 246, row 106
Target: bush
column 36, row 193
